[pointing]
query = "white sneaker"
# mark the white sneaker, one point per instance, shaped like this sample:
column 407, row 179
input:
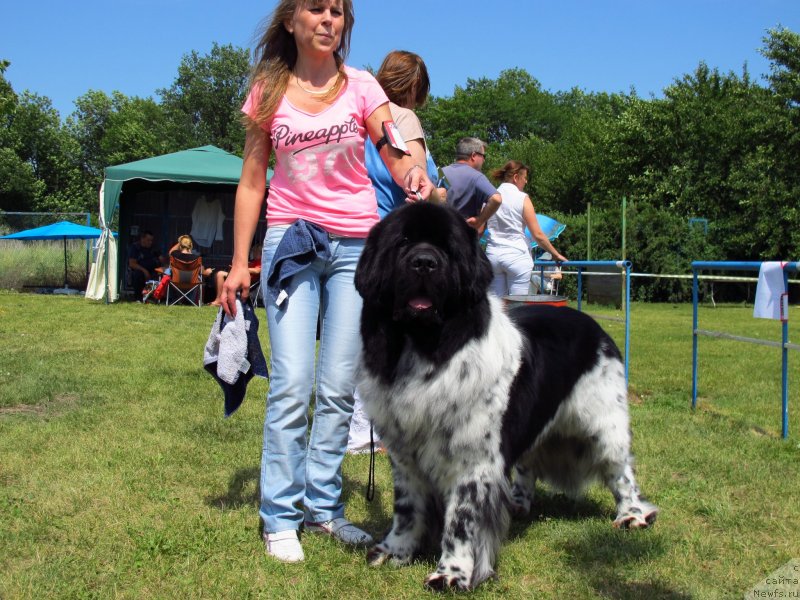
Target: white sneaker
column 284, row 545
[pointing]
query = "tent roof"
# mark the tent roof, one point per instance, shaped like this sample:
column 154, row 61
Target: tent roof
column 63, row 230
column 207, row 164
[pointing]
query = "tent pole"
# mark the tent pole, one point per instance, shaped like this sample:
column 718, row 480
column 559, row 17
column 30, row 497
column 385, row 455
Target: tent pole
column 65, row 262
column 105, row 257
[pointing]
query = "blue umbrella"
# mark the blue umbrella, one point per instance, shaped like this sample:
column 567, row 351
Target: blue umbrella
column 551, row 228
column 57, row 231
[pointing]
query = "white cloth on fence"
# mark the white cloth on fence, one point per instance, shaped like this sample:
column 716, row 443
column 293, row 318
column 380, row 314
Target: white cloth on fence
column 770, row 291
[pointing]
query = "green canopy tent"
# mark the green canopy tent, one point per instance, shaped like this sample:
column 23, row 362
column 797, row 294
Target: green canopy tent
column 197, row 168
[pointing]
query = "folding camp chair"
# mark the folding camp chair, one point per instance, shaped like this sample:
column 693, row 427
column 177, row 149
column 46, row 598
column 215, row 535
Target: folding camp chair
column 186, row 280
column 255, row 290
column 551, row 280
column 546, row 282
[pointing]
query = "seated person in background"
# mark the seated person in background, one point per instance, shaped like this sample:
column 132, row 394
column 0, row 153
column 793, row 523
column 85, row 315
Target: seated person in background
column 143, row 260
column 183, row 250
column 254, row 266
column 552, row 275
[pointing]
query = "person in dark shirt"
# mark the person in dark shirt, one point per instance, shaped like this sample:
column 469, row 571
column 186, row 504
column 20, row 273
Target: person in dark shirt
column 143, row 260
column 470, row 192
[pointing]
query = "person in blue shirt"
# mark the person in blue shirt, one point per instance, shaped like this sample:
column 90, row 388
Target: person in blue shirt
column 404, row 77
column 470, row 192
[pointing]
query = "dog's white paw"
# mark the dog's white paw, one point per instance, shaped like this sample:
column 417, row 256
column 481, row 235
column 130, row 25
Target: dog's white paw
column 637, row 517
column 454, row 580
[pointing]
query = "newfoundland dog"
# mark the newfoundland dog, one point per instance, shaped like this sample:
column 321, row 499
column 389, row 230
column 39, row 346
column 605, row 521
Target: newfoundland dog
column 475, row 403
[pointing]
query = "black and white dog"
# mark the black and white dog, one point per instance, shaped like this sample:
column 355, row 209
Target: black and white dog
column 463, row 393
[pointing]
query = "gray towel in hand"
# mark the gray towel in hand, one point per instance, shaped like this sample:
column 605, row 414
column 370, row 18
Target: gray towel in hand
column 233, row 353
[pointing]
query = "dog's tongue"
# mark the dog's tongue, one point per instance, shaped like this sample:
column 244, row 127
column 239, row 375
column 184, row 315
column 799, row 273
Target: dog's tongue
column 420, row 303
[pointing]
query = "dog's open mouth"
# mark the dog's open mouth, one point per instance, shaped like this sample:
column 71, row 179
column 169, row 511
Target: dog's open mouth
column 420, row 303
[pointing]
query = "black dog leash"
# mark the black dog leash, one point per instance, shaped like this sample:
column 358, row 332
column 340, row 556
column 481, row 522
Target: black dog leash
column 371, row 478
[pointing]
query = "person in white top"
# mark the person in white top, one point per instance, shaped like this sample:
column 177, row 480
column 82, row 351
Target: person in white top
column 508, row 248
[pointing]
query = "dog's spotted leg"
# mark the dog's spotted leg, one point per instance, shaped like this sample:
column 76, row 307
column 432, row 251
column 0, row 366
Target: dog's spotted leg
column 476, row 520
column 408, row 523
column 633, row 511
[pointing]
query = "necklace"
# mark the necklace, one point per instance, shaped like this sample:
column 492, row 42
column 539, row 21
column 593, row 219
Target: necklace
column 317, row 92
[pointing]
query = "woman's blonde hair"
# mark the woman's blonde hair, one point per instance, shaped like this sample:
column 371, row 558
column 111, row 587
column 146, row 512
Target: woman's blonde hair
column 399, row 72
column 185, row 243
column 276, row 55
column 508, row 170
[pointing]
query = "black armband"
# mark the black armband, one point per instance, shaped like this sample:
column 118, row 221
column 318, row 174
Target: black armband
column 391, row 136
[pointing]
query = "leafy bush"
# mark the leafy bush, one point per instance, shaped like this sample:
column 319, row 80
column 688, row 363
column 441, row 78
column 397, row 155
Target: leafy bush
column 658, row 242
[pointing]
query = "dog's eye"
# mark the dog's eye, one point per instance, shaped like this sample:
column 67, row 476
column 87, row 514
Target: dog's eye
column 404, row 241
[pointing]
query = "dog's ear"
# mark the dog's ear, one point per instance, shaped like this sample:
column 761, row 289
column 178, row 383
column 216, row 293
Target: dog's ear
column 474, row 268
column 372, row 274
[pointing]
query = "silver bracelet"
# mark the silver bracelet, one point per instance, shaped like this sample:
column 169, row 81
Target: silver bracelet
column 409, row 171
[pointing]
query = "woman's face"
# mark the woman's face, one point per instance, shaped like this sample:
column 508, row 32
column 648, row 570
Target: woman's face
column 520, row 179
column 317, row 26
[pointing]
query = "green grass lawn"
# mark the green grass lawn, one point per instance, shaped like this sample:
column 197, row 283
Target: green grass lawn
column 119, row 476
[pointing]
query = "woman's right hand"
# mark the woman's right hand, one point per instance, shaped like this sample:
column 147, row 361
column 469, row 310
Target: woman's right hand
column 417, row 184
column 238, row 281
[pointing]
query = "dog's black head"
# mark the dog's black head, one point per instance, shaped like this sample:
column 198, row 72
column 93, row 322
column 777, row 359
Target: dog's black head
column 422, row 265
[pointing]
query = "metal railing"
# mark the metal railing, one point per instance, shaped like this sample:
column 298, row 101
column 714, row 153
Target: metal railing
column 784, row 344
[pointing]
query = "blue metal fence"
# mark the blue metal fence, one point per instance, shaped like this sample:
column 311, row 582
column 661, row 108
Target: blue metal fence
column 789, row 267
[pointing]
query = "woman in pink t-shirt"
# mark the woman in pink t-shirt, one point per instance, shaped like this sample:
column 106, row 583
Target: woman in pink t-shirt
column 315, row 114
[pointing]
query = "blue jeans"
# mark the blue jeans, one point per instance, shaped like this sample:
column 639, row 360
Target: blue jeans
column 301, row 472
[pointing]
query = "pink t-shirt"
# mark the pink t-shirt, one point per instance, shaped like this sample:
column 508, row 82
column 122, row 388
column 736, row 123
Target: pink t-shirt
column 320, row 173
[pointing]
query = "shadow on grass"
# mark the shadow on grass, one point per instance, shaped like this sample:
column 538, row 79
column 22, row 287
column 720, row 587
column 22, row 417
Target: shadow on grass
column 378, row 511
column 547, row 506
column 607, row 557
column 636, row 590
column 242, row 491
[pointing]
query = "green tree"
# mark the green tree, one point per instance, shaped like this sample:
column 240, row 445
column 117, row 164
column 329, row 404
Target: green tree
column 39, row 166
column 497, row 111
column 708, row 149
column 782, row 48
column 561, row 136
column 18, row 184
column 567, row 170
column 116, row 129
column 203, row 105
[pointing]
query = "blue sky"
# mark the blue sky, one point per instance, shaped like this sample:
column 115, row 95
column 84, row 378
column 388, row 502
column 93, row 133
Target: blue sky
column 63, row 49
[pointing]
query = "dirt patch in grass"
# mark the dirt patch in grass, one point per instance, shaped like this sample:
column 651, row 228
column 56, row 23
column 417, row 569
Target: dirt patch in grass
column 721, row 414
column 58, row 405
column 634, row 398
